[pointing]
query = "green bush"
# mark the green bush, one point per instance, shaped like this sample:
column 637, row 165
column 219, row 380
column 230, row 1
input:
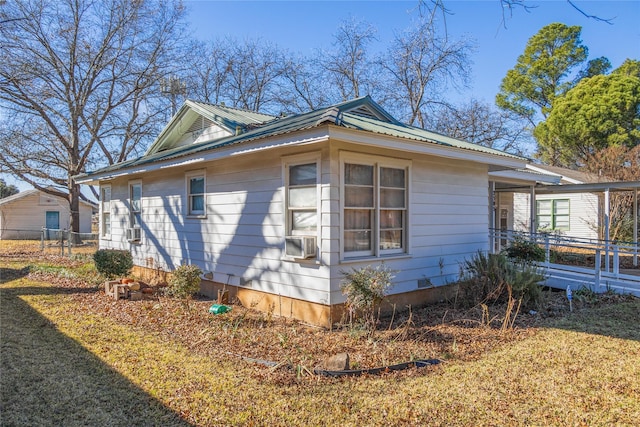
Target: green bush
column 524, row 250
column 184, row 281
column 113, row 263
column 365, row 288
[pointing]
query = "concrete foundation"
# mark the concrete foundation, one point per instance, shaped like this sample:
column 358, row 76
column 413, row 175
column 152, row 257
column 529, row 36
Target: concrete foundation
column 321, row 315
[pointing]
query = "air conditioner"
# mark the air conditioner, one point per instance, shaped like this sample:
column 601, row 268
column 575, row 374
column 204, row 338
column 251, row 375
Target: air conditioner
column 133, row 234
column 300, row 246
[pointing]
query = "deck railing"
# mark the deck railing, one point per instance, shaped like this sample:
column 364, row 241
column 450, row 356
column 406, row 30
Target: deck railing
column 575, row 262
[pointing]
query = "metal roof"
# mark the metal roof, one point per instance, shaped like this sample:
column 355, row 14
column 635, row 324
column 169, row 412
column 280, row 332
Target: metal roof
column 359, row 114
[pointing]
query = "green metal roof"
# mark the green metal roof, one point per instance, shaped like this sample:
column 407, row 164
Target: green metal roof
column 361, row 114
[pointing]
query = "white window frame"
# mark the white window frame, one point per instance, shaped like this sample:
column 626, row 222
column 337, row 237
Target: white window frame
column 132, row 212
column 200, row 173
column 287, row 163
column 105, row 211
column 377, row 163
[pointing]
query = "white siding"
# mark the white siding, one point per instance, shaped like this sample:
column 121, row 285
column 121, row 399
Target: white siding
column 448, row 222
column 583, row 209
column 241, row 239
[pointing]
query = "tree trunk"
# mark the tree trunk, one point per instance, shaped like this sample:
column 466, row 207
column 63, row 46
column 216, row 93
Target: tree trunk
column 74, row 216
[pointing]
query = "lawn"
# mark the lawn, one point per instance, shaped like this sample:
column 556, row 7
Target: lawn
column 71, row 356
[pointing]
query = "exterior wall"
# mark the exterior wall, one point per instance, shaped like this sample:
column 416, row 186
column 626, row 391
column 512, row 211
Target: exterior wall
column 447, row 216
column 583, row 213
column 28, row 213
column 241, row 240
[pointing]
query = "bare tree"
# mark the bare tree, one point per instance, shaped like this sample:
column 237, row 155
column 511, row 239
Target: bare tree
column 480, row 123
column 78, row 79
column 617, row 163
column 255, row 71
column 421, row 66
column 208, row 71
column 347, row 67
column 302, row 89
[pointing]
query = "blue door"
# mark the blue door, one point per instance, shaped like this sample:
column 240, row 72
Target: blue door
column 52, row 220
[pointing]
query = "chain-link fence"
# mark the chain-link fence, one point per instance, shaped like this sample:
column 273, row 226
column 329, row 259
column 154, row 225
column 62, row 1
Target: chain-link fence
column 50, row 241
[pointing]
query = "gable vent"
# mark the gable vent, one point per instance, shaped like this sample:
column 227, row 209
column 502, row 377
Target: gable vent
column 200, row 124
column 364, row 112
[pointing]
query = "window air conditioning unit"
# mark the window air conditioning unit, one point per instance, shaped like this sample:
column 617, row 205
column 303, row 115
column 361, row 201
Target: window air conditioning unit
column 133, row 234
column 300, row 246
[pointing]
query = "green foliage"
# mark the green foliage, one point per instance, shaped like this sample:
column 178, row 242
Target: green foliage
column 113, row 263
column 599, row 112
column 541, row 72
column 365, row 288
column 7, row 190
column 184, row 281
column 524, row 251
column 490, row 278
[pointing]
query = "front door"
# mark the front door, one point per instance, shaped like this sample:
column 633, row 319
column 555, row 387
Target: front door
column 52, row 220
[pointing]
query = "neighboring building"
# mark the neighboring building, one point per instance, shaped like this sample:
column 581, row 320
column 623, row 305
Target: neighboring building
column 575, row 214
column 277, row 208
column 24, row 215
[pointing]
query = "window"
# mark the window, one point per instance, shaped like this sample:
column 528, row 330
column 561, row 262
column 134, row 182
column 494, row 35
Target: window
column 375, row 208
column 135, row 203
column 302, row 198
column 196, row 200
column 105, row 206
column 552, row 214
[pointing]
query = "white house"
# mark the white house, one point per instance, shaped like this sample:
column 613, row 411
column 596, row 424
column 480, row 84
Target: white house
column 276, row 208
column 25, row 214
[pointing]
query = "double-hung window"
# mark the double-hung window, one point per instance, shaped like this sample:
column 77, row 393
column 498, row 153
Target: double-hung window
column 302, row 197
column 196, row 199
column 553, row 214
column 105, row 206
column 374, row 207
column 135, row 204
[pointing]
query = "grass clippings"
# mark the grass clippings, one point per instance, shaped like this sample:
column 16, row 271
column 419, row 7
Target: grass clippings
column 72, row 356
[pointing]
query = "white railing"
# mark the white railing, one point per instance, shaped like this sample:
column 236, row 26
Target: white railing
column 576, row 262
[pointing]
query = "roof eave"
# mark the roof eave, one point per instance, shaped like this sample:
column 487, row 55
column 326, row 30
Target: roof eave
column 426, row 147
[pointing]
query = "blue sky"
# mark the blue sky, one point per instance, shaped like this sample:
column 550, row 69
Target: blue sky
column 303, row 26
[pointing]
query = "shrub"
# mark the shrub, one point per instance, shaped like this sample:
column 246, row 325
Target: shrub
column 184, row 281
column 525, row 251
column 365, row 288
column 489, row 278
column 113, row 263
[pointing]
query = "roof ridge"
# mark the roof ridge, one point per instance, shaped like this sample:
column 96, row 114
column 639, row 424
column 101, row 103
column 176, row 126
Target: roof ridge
column 244, row 110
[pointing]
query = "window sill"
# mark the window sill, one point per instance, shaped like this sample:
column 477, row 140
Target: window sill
column 307, row 261
column 374, row 258
column 195, row 216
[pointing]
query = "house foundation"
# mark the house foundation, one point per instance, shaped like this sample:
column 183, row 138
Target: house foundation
column 311, row 313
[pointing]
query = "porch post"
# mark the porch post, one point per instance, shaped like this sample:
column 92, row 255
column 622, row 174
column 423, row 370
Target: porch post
column 493, row 237
column 635, row 226
column 532, row 211
column 607, row 213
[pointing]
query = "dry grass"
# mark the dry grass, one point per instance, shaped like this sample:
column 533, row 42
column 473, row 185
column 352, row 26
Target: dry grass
column 71, row 356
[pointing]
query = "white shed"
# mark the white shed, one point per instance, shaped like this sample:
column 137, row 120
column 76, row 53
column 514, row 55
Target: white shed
column 25, row 214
